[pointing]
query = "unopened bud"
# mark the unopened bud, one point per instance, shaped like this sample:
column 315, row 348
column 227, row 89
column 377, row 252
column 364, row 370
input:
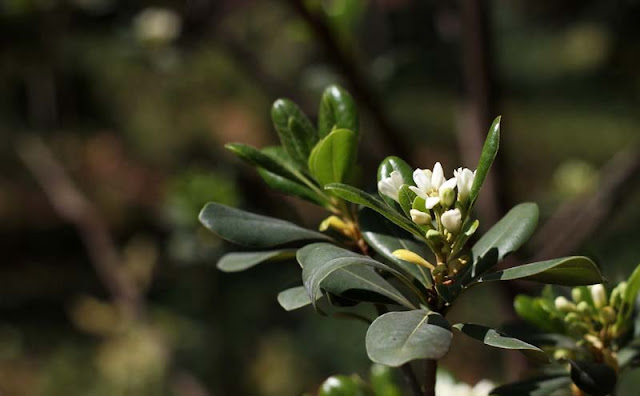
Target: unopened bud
column 584, row 307
column 434, row 236
column 572, row 317
column 562, row 354
column 408, row 255
column 599, row 295
column 419, row 217
column 447, row 197
column 452, row 220
column 564, row 305
column 577, row 294
column 616, row 295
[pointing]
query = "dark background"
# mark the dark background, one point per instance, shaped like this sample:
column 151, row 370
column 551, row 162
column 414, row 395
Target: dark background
column 113, row 115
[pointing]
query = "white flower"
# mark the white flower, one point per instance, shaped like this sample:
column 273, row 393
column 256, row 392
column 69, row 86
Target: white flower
column 420, row 218
column 446, row 385
column 431, row 184
column 464, row 178
column 390, row 186
column 452, row 220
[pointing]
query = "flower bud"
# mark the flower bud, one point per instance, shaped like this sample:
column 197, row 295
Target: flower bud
column 452, row 220
column 408, row 255
column 583, row 307
column 447, row 197
column 562, row 354
column 564, row 305
column 434, row 236
column 616, row 295
column 576, row 295
column 572, row 317
column 599, row 295
column 464, row 180
column 420, row 218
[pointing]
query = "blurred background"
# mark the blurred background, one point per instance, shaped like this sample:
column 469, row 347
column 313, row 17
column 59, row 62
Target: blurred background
column 113, row 115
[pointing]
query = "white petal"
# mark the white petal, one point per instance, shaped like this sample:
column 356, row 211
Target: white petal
column 419, row 192
column 396, row 179
column 438, row 176
column 422, row 179
column 387, row 188
column 449, row 184
column 431, row 202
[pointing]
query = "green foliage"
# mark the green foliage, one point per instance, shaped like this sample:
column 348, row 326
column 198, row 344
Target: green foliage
column 399, row 337
column 404, row 251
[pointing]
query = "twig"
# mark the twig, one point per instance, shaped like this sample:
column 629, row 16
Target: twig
column 361, row 86
column 573, row 223
column 72, row 206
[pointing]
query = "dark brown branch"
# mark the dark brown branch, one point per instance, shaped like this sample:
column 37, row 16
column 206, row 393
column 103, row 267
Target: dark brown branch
column 573, row 223
column 348, row 67
column 430, row 377
column 72, row 206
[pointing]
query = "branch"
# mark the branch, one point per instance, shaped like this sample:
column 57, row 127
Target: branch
column 73, row 207
column 348, row 67
column 576, row 221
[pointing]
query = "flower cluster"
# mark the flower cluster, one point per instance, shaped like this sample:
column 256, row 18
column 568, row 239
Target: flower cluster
column 447, row 385
column 591, row 317
column 440, row 207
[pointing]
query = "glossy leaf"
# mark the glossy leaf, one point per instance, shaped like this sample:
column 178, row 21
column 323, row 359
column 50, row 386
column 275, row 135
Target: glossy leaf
column 337, row 111
column 396, row 338
column 529, row 309
column 405, row 199
column 389, row 165
column 566, row 271
column 297, row 134
column 357, row 196
column 385, row 238
column 240, row 261
column 629, row 297
column 253, row 230
column 505, row 237
column 333, row 157
column 294, row 298
column 496, row 339
column 346, row 274
column 539, row 386
column 290, row 187
column 489, row 151
column 258, row 158
column 596, row 379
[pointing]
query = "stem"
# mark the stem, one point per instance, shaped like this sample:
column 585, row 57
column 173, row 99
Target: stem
column 410, row 379
column 430, row 378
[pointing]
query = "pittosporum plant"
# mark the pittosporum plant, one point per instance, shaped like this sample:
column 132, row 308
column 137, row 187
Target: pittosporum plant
column 405, row 249
column 594, row 336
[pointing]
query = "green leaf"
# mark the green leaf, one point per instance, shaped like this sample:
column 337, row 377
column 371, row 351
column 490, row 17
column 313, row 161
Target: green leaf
column 396, row 338
column 630, row 295
column 297, row 134
column 385, row 238
column 294, row 298
column 253, row 230
column 290, row 187
column 333, row 157
column 337, row 111
column 236, row 262
column 566, row 271
column 529, row 309
column 405, row 199
column 496, row 339
column 489, row 151
column 505, row 237
column 261, row 159
column 346, row 274
column 596, row 379
column 357, row 196
column 539, row 386
column 389, row 165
